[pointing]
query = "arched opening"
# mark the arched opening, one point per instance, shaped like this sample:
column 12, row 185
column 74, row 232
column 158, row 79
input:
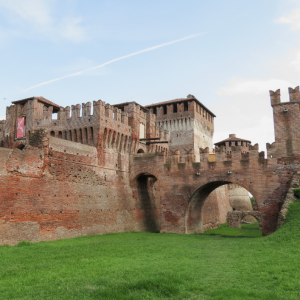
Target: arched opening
column 21, row 146
column 85, row 136
column 52, row 133
column 92, row 136
column 60, row 134
column 141, row 151
column 149, row 199
column 209, row 205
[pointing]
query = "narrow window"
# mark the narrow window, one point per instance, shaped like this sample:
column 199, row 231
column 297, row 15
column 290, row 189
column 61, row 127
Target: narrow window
column 86, row 135
column 105, row 137
column 186, row 106
column 92, row 136
column 70, row 133
column 154, row 110
column 75, row 135
column 174, row 107
column 165, row 109
column 80, row 136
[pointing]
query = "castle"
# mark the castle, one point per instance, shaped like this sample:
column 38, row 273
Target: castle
column 126, row 167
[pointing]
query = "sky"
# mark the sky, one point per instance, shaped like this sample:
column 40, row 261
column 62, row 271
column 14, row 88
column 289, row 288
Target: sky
column 228, row 54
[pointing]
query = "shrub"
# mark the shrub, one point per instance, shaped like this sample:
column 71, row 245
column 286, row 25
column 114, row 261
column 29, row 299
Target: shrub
column 37, row 137
column 297, row 192
column 252, row 199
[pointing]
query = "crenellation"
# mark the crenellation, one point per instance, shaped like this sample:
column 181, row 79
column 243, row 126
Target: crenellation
column 117, row 114
column 275, row 97
column 124, row 118
column 99, row 108
column 109, row 111
column 47, row 112
column 86, row 109
column 294, row 94
column 92, row 160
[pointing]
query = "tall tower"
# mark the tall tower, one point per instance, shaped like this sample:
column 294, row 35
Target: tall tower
column 190, row 123
column 286, row 124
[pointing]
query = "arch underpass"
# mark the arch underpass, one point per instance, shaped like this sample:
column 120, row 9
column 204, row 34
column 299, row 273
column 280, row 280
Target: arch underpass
column 184, row 187
column 195, row 210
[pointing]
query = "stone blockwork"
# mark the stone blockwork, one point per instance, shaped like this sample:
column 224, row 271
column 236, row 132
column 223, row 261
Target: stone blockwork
column 111, row 170
column 235, row 218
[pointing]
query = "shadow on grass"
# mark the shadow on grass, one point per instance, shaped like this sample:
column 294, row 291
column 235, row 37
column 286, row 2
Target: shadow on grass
column 165, row 287
column 246, row 230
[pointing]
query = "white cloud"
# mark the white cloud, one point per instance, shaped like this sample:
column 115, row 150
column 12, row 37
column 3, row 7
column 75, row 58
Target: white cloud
column 35, row 11
column 72, row 30
column 249, row 113
column 293, row 19
column 39, row 16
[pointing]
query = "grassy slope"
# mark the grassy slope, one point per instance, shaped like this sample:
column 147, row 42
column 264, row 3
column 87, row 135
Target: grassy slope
column 156, row 266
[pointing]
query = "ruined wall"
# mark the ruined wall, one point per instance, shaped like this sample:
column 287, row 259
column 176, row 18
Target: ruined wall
column 59, row 191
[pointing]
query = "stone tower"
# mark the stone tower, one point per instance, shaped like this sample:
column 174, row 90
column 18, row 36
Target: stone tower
column 190, row 123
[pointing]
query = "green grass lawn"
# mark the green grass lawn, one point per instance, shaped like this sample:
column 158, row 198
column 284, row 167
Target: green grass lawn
column 156, row 266
column 247, row 230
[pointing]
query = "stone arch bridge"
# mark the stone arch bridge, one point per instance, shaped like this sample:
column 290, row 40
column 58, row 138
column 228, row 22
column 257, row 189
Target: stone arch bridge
column 184, row 187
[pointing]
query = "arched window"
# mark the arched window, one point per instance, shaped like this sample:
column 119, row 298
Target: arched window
column 75, row 135
column 105, row 138
column 125, row 143
column 80, row 136
column 108, row 139
column 86, row 135
column 92, row 136
column 52, row 133
column 60, row 134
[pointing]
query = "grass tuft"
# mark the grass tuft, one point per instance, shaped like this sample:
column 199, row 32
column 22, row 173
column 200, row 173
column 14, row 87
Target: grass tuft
column 24, row 244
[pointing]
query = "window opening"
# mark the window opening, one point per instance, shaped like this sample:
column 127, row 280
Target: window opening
column 174, row 107
column 186, row 106
column 86, row 135
column 165, row 109
column 92, row 136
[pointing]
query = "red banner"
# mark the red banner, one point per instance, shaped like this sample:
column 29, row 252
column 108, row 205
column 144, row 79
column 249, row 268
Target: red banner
column 20, row 129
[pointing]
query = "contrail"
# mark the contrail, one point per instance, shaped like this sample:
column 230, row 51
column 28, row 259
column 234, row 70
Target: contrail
column 114, row 60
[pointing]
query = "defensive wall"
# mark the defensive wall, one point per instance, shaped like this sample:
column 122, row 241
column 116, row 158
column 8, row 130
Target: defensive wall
column 65, row 188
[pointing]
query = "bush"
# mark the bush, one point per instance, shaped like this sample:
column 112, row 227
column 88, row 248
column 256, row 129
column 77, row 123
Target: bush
column 297, row 192
column 36, row 138
column 252, row 199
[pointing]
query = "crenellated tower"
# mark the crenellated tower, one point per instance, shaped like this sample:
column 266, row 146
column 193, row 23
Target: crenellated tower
column 286, row 125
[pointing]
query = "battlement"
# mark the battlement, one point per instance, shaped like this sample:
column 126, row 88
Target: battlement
column 220, row 160
column 294, row 96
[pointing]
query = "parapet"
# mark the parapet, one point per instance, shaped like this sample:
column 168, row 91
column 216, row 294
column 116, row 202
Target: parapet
column 293, row 94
